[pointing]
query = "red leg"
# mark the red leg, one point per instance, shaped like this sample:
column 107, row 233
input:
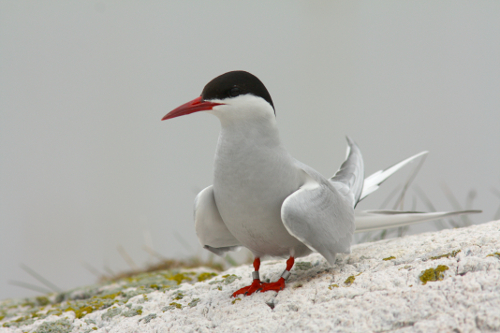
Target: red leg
column 256, row 284
column 280, row 284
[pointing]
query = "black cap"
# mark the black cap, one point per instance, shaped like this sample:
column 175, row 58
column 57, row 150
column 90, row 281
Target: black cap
column 235, row 83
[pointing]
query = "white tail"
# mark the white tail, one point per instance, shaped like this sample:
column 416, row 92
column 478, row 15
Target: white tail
column 370, row 220
column 373, row 181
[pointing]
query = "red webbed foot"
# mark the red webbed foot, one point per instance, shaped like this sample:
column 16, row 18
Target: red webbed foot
column 249, row 290
column 280, row 284
column 256, row 284
column 263, row 287
column 274, row 286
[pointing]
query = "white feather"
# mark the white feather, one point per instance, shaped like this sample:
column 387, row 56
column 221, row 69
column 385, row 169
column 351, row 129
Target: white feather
column 373, row 181
column 382, row 219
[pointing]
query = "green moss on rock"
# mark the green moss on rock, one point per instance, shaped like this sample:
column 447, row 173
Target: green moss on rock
column 304, row 265
column 178, row 295
column 148, row 318
column 111, row 313
column 194, row 302
column 133, row 311
column 230, row 278
column 179, row 277
column 60, row 326
column 350, row 280
column 205, row 276
column 433, row 274
column 446, row 255
column 85, row 300
column 172, row 306
column 42, row 300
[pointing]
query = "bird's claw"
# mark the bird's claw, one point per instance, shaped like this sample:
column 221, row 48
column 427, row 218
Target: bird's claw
column 249, row 290
column 273, row 286
column 262, row 286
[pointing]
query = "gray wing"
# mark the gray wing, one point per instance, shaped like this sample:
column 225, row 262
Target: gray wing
column 349, row 178
column 210, row 228
column 320, row 217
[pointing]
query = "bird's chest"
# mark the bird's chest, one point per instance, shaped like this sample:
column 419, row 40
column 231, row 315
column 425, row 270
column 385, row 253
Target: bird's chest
column 250, row 186
column 252, row 180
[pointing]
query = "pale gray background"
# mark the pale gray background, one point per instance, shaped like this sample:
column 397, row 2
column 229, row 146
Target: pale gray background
column 87, row 165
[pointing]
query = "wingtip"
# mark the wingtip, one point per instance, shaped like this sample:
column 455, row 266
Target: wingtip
column 350, row 141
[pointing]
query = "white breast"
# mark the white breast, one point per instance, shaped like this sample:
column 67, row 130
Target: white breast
column 253, row 175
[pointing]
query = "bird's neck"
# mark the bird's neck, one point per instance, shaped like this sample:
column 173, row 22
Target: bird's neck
column 250, row 133
column 250, row 160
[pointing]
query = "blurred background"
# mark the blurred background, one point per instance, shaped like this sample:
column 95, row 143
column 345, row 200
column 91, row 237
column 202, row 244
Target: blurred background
column 86, row 165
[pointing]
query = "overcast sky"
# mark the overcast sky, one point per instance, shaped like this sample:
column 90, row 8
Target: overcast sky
column 87, row 165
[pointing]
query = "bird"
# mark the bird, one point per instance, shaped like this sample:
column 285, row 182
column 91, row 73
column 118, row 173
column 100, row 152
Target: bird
column 267, row 201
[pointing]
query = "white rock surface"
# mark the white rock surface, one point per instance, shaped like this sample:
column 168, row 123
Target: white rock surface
column 386, row 295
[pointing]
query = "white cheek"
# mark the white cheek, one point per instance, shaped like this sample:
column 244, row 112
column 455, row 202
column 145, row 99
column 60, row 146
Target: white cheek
column 243, row 107
column 219, row 110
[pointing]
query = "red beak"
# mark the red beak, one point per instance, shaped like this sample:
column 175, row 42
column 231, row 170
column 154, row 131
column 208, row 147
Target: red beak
column 195, row 105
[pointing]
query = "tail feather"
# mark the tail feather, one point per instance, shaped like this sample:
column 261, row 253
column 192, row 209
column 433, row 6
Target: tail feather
column 373, row 181
column 370, row 220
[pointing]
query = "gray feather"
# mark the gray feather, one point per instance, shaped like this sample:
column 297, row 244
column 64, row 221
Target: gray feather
column 210, row 228
column 221, row 251
column 317, row 215
column 351, row 172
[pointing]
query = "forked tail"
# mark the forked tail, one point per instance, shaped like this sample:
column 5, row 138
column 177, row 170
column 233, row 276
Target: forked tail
column 350, row 178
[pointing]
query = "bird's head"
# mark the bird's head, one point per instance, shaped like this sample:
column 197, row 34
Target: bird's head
column 233, row 95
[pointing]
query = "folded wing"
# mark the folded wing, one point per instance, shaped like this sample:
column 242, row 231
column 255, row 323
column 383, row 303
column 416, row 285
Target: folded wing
column 210, row 228
column 318, row 216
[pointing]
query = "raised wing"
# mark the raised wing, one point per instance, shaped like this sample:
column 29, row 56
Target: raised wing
column 382, row 219
column 320, row 217
column 210, row 228
column 351, row 172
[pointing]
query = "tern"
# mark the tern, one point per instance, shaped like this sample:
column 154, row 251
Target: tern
column 267, row 201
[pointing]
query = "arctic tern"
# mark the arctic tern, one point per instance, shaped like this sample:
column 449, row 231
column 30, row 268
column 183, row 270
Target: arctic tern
column 267, row 201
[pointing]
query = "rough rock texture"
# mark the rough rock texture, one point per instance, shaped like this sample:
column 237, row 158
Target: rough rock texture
column 447, row 281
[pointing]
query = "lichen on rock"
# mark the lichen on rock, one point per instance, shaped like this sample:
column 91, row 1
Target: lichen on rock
column 433, row 274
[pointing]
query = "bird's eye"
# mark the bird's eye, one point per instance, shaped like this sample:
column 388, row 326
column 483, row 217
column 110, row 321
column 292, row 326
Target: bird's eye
column 235, row 91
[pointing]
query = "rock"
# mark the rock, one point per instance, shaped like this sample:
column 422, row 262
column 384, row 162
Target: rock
column 361, row 293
